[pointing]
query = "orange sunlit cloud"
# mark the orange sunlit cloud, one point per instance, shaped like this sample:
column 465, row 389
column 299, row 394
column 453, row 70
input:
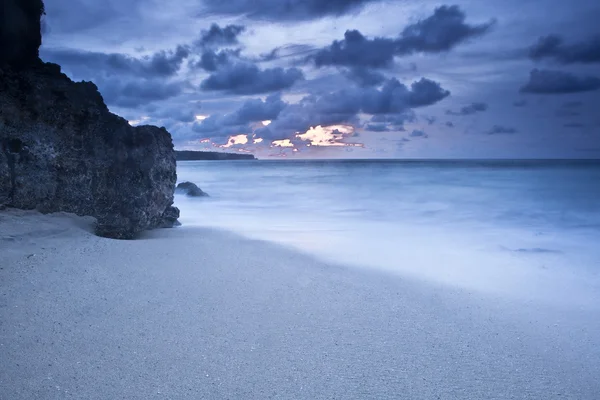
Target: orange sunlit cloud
column 329, row 136
column 237, row 139
column 282, row 143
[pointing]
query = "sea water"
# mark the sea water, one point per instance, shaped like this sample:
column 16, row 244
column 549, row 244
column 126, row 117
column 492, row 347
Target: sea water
column 528, row 229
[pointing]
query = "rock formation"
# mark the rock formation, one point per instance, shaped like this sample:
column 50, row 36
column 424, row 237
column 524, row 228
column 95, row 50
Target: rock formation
column 190, row 189
column 185, row 155
column 62, row 150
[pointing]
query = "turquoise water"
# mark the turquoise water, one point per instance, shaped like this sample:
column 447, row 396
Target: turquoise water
column 529, row 229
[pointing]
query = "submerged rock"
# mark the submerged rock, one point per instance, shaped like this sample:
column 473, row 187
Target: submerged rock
column 62, row 150
column 190, row 189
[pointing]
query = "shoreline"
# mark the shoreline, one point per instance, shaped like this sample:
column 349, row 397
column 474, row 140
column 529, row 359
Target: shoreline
column 204, row 313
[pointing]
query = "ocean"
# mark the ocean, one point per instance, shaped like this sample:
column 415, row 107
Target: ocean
column 525, row 229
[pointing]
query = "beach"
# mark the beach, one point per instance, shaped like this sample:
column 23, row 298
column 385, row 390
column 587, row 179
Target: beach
column 204, row 313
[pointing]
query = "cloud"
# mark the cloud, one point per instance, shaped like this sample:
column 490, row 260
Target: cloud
column 450, row 124
column 86, row 64
column 356, row 50
column 211, row 60
column 559, row 82
column 125, row 81
column 364, row 76
column 553, row 47
column 217, row 36
column 469, row 109
column 425, row 92
column 393, row 102
column 441, row 32
column 445, row 29
column 288, row 10
column 246, row 78
column 174, row 113
column 499, row 129
column 238, row 122
column 132, row 94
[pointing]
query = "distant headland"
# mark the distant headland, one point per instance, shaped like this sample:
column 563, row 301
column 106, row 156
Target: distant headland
column 187, row 155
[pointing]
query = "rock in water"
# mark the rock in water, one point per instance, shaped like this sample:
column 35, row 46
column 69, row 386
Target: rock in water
column 190, row 189
column 62, row 150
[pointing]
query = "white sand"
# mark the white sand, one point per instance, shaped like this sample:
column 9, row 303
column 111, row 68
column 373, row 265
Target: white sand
column 191, row 313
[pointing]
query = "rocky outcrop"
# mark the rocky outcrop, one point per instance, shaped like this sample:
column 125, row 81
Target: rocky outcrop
column 190, row 189
column 186, row 155
column 20, row 31
column 62, row 150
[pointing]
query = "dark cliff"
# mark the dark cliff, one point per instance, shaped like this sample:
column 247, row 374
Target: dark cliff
column 62, row 150
column 185, row 155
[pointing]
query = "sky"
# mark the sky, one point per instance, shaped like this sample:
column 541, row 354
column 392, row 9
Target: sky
column 343, row 78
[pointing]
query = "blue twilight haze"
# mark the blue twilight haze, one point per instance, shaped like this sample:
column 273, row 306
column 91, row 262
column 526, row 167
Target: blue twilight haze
column 344, row 78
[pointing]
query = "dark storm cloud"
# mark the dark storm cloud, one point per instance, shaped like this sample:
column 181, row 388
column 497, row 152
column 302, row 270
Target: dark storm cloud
column 390, row 123
column 258, row 110
column 212, row 128
column 365, row 76
column 290, row 10
column 132, row 94
column 343, row 106
column 442, row 31
column 238, row 122
column 470, row 109
column 553, row 47
column 445, row 29
column 185, row 114
column 499, row 129
column 357, row 50
column 246, row 78
column 217, row 36
column 423, row 92
column 211, row 60
column 83, row 64
column 124, row 81
column 559, row 82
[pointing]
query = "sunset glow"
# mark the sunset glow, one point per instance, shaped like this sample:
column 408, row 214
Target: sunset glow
column 282, row 143
column 329, row 136
column 233, row 140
